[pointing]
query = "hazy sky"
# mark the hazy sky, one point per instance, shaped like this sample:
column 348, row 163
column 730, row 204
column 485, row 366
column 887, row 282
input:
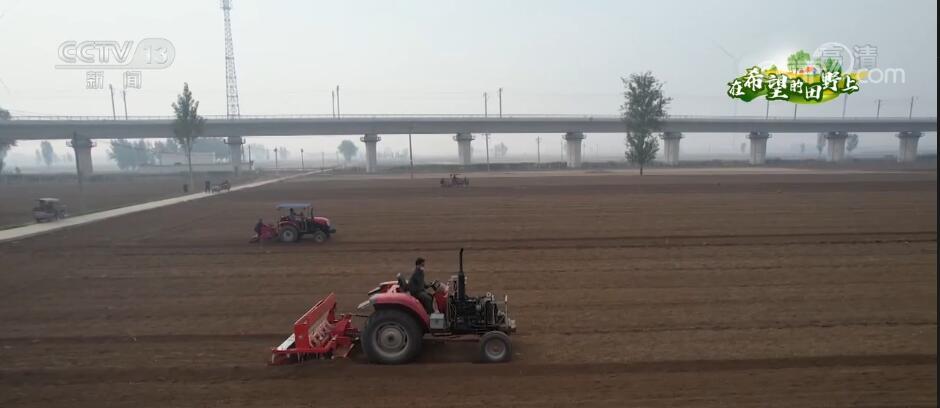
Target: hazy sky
column 440, row 56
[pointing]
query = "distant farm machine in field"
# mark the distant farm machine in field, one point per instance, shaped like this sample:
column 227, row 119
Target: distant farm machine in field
column 294, row 221
column 223, row 186
column 455, row 181
column 49, row 209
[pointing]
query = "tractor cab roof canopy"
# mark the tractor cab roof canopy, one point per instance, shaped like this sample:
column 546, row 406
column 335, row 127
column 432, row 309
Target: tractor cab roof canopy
column 293, row 206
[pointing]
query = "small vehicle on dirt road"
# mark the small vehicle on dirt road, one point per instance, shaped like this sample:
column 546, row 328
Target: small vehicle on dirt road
column 297, row 219
column 398, row 325
column 49, row 209
column 455, row 181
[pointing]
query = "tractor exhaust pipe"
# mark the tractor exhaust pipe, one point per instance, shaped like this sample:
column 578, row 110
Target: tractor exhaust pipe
column 461, row 280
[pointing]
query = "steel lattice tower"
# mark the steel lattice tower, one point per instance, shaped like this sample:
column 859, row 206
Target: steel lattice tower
column 231, row 80
column 231, row 89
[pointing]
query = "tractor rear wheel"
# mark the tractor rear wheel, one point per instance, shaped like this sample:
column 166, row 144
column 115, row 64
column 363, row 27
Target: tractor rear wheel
column 288, row 234
column 392, row 336
column 495, row 347
column 319, row 237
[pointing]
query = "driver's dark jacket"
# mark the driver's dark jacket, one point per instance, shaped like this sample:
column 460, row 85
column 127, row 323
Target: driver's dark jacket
column 416, row 282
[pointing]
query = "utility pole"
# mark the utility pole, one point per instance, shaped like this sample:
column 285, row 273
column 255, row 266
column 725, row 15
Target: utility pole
column 78, row 171
column 794, row 110
column 487, row 139
column 124, row 95
column 302, row 159
column 845, row 104
column 486, row 136
column 538, row 151
column 878, row 109
column 275, row 158
column 337, row 101
column 767, row 115
column 910, row 114
column 500, row 94
column 333, row 101
column 113, row 111
column 411, row 157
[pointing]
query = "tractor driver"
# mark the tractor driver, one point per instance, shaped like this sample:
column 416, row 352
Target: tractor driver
column 258, row 227
column 416, row 286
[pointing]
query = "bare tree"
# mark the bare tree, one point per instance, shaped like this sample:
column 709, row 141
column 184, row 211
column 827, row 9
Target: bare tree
column 5, row 144
column 500, row 150
column 820, row 143
column 48, row 153
column 852, row 142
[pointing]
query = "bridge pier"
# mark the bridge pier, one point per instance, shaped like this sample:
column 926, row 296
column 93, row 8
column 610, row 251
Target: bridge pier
column 371, row 139
column 671, row 147
column 836, row 145
column 82, row 147
column 758, row 147
column 235, row 147
column 464, row 150
column 907, row 146
column 573, row 149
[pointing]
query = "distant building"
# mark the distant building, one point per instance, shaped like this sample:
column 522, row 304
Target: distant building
column 172, row 159
column 175, row 163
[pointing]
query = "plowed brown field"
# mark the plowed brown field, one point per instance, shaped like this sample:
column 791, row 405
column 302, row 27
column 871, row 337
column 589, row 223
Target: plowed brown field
column 788, row 290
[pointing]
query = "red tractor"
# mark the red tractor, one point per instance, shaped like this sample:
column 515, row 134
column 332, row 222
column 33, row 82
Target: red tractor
column 399, row 325
column 294, row 221
column 297, row 220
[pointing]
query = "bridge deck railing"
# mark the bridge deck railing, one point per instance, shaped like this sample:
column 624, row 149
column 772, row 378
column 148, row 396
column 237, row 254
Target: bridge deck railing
column 457, row 116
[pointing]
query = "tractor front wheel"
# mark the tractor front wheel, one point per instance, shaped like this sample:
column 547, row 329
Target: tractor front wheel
column 391, row 337
column 319, row 237
column 288, row 234
column 495, row 347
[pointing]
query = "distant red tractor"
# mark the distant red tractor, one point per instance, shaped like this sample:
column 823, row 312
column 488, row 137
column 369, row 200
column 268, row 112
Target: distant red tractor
column 294, row 221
